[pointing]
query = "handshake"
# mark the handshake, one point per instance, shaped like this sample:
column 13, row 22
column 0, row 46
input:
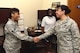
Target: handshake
column 36, row 39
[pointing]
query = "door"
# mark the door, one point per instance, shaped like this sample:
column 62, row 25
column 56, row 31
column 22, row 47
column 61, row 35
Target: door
column 75, row 12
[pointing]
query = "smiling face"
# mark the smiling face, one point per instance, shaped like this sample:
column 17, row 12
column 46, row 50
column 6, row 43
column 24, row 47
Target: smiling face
column 15, row 16
column 50, row 12
column 62, row 10
column 59, row 12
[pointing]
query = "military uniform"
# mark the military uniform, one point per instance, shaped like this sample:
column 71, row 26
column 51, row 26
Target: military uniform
column 68, row 36
column 13, row 37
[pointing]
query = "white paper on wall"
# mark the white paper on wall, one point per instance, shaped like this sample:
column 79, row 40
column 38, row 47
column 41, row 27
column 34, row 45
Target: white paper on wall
column 21, row 22
column 21, row 16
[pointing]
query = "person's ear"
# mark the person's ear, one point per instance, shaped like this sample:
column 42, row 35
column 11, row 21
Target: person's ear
column 63, row 11
column 12, row 15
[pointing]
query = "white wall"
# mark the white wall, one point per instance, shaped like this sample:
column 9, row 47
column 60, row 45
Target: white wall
column 29, row 8
column 47, row 3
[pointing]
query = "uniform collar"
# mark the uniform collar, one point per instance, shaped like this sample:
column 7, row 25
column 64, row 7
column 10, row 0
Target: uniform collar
column 65, row 21
column 12, row 21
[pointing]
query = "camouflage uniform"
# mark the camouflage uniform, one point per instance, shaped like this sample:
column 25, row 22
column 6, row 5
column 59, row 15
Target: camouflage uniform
column 68, row 36
column 13, row 37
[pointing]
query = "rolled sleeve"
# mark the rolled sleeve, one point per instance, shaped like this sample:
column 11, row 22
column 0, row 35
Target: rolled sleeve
column 16, row 32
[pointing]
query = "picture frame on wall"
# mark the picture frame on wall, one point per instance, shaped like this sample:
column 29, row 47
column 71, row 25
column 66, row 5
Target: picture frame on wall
column 54, row 5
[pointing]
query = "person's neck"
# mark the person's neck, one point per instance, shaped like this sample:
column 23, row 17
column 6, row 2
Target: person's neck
column 13, row 19
column 63, row 17
column 50, row 15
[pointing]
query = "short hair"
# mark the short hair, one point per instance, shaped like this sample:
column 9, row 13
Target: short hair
column 64, row 7
column 48, row 11
column 13, row 10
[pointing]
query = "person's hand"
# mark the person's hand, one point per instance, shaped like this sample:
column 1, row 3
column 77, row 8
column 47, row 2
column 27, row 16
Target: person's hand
column 36, row 39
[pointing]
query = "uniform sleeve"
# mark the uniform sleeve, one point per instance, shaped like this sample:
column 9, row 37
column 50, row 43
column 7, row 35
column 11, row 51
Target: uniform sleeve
column 17, row 33
column 47, row 34
column 75, row 37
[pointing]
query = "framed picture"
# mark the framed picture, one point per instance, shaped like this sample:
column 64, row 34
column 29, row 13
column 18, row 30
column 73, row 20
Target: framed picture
column 54, row 5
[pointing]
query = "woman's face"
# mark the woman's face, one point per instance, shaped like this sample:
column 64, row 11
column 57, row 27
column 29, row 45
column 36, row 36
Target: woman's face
column 50, row 12
column 16, row 16
column 59, row 12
